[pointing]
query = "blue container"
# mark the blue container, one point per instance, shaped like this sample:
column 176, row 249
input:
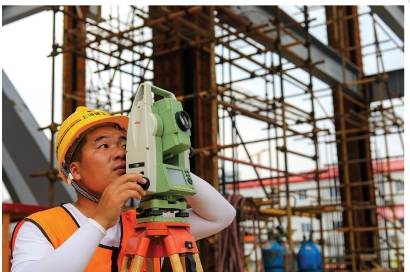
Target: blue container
column 273, row 256
column 309, row 257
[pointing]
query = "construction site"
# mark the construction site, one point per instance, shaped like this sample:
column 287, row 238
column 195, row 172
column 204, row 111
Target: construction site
column 297, row 120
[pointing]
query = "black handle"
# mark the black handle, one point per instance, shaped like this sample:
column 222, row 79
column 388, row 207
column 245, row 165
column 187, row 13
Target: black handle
column 145, row 185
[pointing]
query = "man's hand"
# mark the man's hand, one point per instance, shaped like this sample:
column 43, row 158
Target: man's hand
column 114, row 197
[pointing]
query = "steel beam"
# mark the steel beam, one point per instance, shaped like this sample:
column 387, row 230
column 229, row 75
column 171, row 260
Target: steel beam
column 74, row 75
column 393, row 16
column 26, row 151
column 14, row 13
column 394, row 87
column 342, row 34
column 329, row 67
column 14, row 180
column 189, row 71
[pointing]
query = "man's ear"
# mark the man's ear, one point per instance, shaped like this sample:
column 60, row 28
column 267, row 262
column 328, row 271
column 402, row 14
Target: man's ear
column 75, row 170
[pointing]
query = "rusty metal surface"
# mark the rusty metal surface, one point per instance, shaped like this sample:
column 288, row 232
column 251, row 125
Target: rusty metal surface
column 73, row 59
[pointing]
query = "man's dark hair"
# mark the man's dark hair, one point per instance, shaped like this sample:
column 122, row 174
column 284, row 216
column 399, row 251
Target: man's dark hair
column 74, row 153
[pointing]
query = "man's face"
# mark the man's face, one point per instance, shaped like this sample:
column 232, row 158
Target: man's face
column 102, row 158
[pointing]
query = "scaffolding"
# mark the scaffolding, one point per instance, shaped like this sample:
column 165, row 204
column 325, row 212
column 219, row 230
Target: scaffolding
column 276, row 120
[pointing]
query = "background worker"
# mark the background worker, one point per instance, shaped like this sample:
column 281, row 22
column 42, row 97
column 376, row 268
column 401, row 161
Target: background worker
column 90, row 234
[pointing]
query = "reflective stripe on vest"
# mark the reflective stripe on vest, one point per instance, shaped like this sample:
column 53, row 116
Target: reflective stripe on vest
column 57, row 225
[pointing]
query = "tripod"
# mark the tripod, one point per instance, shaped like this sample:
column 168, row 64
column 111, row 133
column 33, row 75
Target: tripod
column 154, row 240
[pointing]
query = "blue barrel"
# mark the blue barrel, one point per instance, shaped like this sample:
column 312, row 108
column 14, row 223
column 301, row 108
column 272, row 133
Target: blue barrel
column 273, row 256
column 309, row 257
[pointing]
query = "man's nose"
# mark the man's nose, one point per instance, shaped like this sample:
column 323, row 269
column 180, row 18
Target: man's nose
column 119, row 153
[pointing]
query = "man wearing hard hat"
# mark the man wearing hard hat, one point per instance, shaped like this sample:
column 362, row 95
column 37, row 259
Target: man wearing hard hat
column 90, row 234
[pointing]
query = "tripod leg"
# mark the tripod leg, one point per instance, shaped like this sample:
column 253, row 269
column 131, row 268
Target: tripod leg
column 153, row 264
column 198, row 263
column 124, row 266
column 182, row 258
column 136, row 264
column 176, row 263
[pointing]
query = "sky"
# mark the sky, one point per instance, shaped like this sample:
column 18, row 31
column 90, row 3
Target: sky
column 24, row 57
column 26, row 62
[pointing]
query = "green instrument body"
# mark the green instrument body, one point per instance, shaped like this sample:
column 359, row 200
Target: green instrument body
column 158, row 147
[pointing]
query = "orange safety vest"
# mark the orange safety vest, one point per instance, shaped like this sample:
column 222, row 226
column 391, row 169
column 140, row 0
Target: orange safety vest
column 57, row 225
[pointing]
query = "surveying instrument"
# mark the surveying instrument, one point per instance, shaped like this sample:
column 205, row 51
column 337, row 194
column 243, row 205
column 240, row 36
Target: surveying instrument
column 158, row 144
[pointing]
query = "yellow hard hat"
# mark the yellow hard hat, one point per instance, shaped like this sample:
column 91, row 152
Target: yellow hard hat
column 75, row 124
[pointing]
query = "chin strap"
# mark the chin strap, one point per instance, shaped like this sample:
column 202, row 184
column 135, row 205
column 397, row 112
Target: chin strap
column 84, row 192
